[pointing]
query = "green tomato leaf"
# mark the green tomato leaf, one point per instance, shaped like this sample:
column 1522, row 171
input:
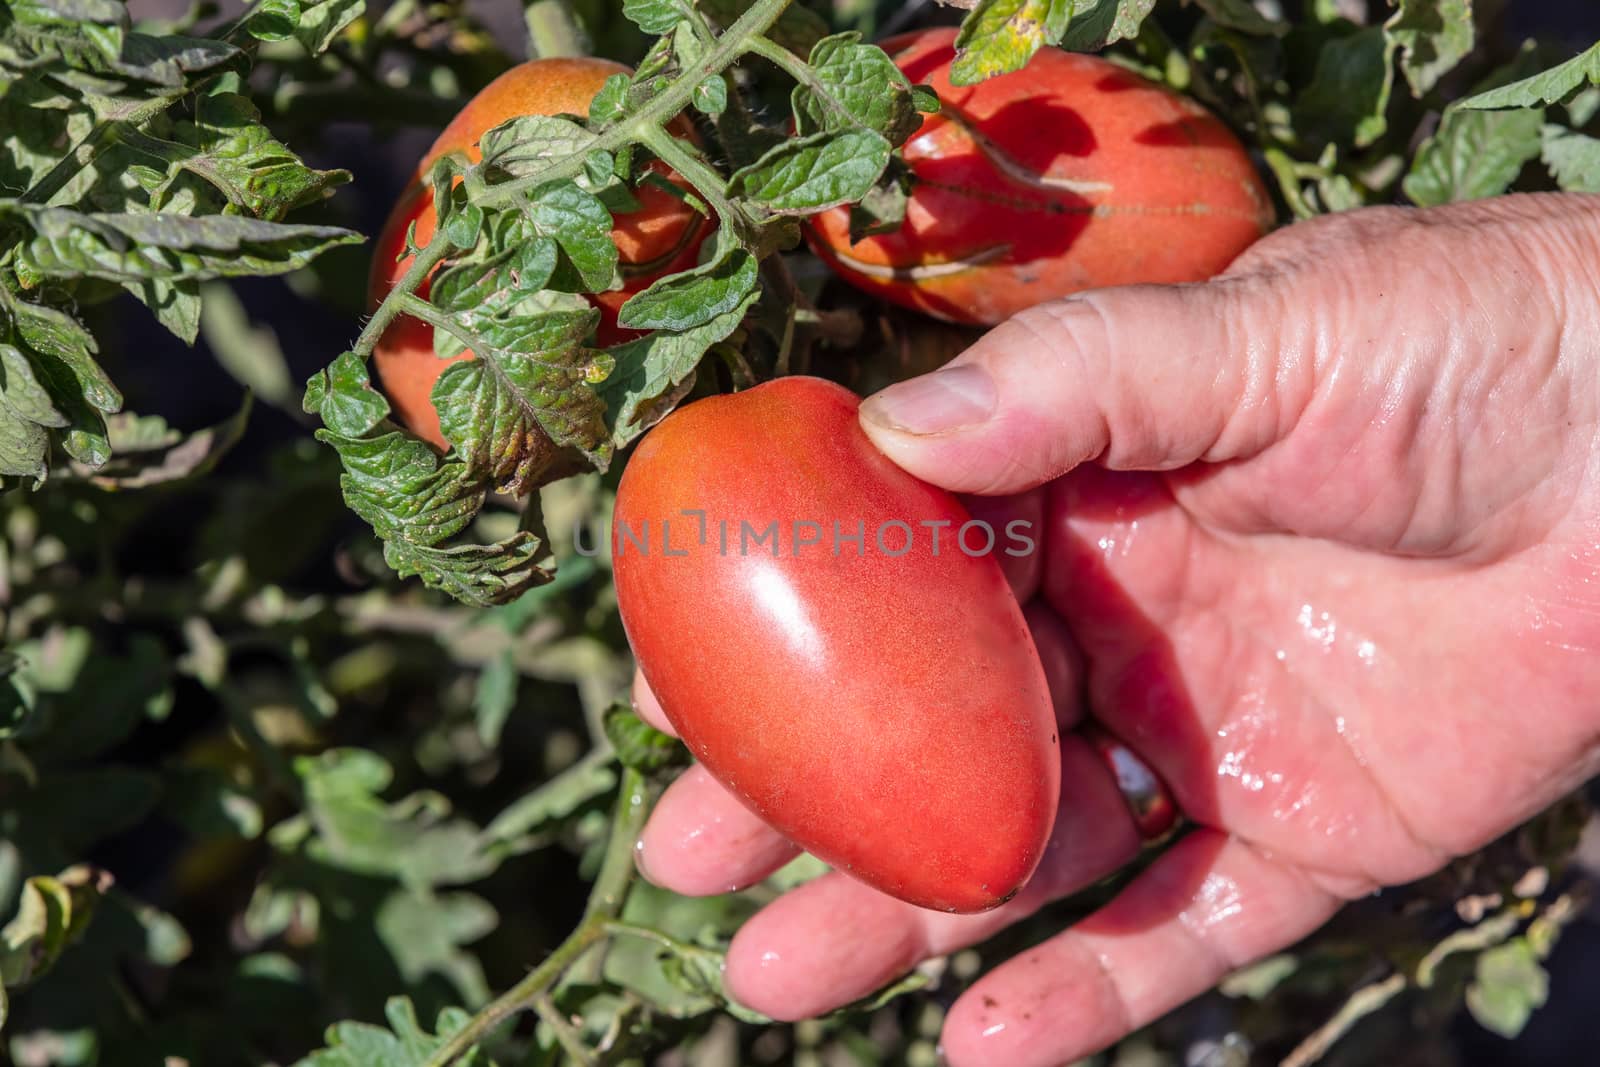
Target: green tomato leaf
column 1573, row 159
column 146, row 452
column 1475, row 154
column 533, row 379
column 404, row 1044
column 599, row 168
column 403, row 490
column 1242, row 15
column 883, row 209
column 640, row 745
column 463, row 226
column 415, row 501
column 711, row 96
column 52, row 913
column 51, row 355
column 166, row 247
column 1432, row 37
column 22, row 391
column 425, row 932
column 694, row 297
column 1348, row 98
column 273, row 20
column 323, row 20
column 655, row 17
column 497, row 283
column 551, row 803
column 341, row 394
column 1550, row 87
column 807, row 174
column 653, row 373
column 226, row 145
column 414, row 840
column 1509, row 986
column 578, row 222
column 1000, row 36
column 1582, row 108
column 50, row 332
column 16, row 706
column 87, row 45
column 611, row 102
column 1097, row 25
column 478, row 575
column 24, row 449
column 525, row 145
column 857, row 85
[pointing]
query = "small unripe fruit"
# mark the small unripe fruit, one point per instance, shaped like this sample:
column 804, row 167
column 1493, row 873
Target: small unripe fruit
column 1072, row 173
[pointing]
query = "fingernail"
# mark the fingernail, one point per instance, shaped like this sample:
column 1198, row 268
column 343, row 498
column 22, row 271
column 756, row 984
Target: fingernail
column 639, row 862
column 949, row 399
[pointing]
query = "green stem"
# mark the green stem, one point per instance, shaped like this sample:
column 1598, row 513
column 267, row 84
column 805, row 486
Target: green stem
column 616, row 867
column 706, row 181
column 415, row 275
column 1284, row 169
column 787, row 61
column 739, row 38
column 619, row 928
column 566, row 1034
column 605, row 902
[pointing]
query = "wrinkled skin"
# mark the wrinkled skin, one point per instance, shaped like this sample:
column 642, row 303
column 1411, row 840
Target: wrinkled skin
column 1324, row 549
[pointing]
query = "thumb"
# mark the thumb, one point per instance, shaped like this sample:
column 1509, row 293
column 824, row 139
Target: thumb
column 1140, row 378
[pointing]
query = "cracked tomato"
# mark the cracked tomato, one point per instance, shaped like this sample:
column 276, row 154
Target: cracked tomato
column 1072, row 173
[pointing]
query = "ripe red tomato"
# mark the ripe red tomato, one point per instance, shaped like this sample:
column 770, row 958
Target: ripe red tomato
column 881, row 703
column 661, row 238
column 1072, row 173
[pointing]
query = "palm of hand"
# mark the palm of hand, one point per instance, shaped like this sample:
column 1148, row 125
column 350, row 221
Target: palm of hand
column 1352, row 652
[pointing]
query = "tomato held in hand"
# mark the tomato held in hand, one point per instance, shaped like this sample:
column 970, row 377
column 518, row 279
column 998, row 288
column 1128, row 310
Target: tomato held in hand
column 874, row 698
column 1072, row 173
column 662, row 237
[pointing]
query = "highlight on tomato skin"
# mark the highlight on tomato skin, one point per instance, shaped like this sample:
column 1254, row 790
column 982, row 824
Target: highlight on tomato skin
column 1072, row 173
column 882, row 706
column 662, row 237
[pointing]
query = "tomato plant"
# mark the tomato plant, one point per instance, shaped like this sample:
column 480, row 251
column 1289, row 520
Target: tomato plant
column 310, row 755
column 660, row 235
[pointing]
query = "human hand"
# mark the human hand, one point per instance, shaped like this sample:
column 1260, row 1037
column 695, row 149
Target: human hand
column 1320, row 542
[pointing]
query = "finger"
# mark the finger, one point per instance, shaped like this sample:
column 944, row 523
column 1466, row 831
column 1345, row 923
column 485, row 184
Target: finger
column 1063, row 663
column 833, row 940
column 1208, row 906
column 1010, row 519
column 701, row 840
column 1139, row 377
column 648, row 707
